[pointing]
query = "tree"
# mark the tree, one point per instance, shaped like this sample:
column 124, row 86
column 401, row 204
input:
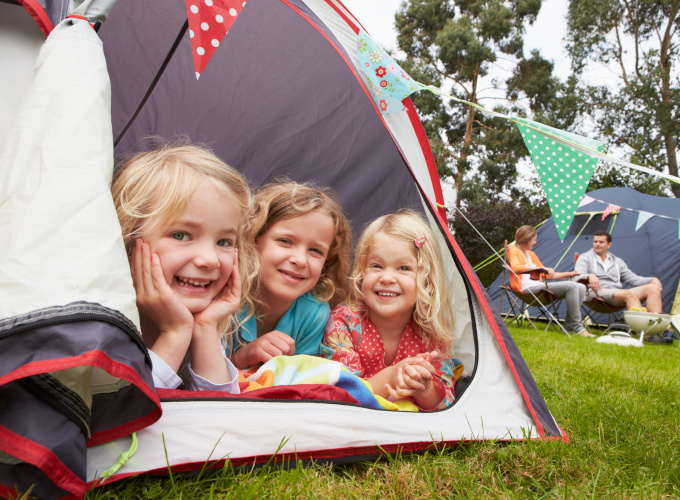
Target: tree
column 641, row 114
column 456, row 42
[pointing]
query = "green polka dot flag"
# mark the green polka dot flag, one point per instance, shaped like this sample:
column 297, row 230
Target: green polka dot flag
column 564, row 173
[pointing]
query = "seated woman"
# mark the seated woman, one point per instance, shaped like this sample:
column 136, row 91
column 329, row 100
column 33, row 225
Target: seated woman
column 522, row 260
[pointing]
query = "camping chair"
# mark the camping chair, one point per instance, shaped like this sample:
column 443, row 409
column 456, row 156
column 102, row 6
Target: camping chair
column 545, row 301
column 600, row 306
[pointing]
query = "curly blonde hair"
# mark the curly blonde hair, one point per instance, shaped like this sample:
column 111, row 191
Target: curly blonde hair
column 152, row 189
column 279, row 201
column 433, row 312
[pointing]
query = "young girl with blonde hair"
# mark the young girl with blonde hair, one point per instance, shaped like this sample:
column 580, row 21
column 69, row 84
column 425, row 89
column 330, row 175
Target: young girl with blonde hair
column 303, row 242
column 181, row 210
column 396, row 330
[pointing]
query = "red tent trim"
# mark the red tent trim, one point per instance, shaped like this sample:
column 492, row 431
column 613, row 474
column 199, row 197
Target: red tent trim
column 38, row 14
column 35, row 454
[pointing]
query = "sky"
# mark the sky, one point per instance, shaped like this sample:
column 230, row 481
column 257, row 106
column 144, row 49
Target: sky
column 546, row 34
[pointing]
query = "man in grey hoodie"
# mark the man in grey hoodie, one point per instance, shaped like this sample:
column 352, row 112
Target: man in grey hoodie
column 606, row 273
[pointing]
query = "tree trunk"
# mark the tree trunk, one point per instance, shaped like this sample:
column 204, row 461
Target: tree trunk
column 467, row 139
column 665, row 119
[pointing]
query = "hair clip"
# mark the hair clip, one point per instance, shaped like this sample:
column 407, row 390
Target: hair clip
column 420, row 242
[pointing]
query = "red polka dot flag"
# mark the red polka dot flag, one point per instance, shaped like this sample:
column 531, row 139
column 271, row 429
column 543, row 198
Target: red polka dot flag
column 209, row 22
column 611, row 208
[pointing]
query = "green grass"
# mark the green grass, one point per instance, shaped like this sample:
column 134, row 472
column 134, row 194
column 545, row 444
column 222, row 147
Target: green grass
column 619, row 405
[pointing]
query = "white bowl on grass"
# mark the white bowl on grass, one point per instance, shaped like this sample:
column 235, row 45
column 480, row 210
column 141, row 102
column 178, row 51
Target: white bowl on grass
column 651, row 323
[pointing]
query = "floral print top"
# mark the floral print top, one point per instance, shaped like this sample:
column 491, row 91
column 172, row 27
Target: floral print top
column 354, row 341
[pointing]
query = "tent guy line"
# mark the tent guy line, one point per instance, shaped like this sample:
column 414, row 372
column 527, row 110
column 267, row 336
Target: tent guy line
column 389, row 82
column 566, row 142
column 505, row 263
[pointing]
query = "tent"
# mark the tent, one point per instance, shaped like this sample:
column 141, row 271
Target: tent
column 73, row 369
column 644, row 233
column 282, row 96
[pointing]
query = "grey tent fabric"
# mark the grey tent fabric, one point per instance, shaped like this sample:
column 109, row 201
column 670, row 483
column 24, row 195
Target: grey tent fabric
column 261, row 121
column 282, row 97
column 49, row 13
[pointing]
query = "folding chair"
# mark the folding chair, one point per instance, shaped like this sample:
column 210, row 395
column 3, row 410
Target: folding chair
column 598, row 305
column 545, row 301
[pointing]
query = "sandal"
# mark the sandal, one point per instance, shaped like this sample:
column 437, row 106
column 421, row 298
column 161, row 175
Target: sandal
column 584, row 333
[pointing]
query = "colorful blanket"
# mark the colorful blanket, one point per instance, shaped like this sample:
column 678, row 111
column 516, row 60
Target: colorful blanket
column 303, row 369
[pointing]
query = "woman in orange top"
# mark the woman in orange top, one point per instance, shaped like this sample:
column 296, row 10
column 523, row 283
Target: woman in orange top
column 521, row 259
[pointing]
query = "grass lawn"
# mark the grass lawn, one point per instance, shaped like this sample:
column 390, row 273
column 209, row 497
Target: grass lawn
column 619, row 405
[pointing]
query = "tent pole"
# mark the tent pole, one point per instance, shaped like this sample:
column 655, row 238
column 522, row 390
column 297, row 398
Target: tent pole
column 611, row 229
column 572, row 243
column 675, row 309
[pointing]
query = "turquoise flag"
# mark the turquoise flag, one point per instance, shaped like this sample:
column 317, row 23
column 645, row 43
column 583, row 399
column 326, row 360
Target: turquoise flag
column 642, row 218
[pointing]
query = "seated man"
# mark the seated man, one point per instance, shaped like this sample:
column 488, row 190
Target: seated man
column 606, row 273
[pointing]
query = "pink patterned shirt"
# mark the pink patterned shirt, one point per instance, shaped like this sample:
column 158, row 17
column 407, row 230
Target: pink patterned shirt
column 354, row 341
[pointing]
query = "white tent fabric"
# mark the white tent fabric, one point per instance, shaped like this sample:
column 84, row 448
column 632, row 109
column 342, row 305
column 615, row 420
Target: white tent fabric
column 20, row 39
column 69, row 162
column 491, row 408
column 70, row 348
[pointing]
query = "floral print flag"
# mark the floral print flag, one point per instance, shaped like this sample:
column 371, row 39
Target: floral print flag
column 388, row 83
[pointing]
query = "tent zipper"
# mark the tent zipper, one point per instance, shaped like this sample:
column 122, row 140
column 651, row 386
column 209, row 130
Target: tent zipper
column 76, row 319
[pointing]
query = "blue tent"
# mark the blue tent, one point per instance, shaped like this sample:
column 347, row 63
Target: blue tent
column 651, row 250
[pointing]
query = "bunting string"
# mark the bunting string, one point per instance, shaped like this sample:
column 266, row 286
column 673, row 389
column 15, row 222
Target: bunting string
column 383, row 72
column 651, row 214
column 564, row 161
column 550, row 134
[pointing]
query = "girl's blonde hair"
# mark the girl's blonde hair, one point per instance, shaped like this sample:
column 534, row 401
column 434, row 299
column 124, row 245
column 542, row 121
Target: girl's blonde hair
column 279, row 201
column 152, row 189
column 433, row 312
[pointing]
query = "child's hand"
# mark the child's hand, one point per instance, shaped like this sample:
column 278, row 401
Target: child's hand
column 428, row 356
column 225, row 303
column 155, row 298
column 157, row 301
column 206, row 352
column 411, row 377
column 263, row 349
column 418, row 377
